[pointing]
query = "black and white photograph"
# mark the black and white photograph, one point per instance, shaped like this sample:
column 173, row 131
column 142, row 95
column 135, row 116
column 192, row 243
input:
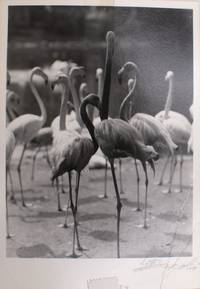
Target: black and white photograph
column 99, row 142
column 100, row 113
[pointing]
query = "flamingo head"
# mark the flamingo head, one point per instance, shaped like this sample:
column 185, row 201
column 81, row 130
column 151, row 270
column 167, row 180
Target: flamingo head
column 169, row 75
column 12, row 102
column 110, row 39
column 61, row 78
column 77, row 71
column 130, row 69
column 151, row 154
column 99, row 72
column 38, row 71
column 83, row 91
column 92, row 99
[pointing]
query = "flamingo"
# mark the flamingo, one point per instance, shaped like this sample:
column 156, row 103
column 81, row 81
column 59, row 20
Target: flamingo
column 72, row 121
column 10, row 145
column 72, row 151
column 152, row 131
column 12, row 103
column 26, row 126
column 178, row 127
column 116, row 138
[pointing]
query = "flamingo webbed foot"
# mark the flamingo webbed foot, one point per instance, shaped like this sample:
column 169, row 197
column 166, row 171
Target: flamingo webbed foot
column 74, row 255
column 103, row 196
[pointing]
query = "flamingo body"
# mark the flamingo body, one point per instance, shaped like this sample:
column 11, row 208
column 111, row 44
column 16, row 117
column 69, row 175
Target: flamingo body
column 177, row 125
column 117, row 139
column 152, row 132
column 25, row 127
column 75, row 155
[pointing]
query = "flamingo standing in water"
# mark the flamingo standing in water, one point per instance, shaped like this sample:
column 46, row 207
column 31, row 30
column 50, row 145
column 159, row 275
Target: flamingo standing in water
column 73, row 151
column 26, row 126
column 152, row 131
column 179, row 129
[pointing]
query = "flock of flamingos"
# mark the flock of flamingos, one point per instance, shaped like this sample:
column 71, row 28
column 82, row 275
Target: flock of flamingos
column 77, row 136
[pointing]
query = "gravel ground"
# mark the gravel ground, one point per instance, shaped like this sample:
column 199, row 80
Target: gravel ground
column 36, row 231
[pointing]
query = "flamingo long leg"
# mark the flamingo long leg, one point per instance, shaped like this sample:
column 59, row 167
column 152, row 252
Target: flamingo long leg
column 67, row 211
column 105, row 181
column 34, row 160
column 74, row 215
column 76, row 209
column 12, row 198
column 58, row 195
column 119, row 205
column 19, row 175
column 62, row 185
column 172, row 170
column 146, row 191
column 120, row 177
column 181, row 172
column 138, row 187
column 47, row 157
column 7, row 221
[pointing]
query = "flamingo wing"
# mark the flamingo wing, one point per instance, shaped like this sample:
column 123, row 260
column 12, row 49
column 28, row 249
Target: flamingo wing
column 75, row 156
column 25, row 127
column 116, row 138
column 153, row 131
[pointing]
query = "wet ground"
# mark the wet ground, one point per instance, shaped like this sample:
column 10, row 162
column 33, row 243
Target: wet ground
column 37, row 231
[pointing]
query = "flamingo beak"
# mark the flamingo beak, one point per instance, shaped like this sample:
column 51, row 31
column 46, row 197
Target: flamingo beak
column 119, row 76
column 151, row 163
column 52, row 86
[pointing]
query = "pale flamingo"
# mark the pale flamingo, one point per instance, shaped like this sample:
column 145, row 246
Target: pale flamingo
column 73, row 122
column 178, row 127
column 73, row 152
column 152, row 131
column 26, row 126
column 10, row 145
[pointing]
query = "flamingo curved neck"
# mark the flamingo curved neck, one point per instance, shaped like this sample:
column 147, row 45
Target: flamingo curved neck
column 88, row 123
column 122, row 110
column 107, row 82
column 76, row 99
column 39, row 101
column 168, row 103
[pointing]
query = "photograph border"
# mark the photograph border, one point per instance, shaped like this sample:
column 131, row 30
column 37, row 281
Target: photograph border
column 151, row 273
